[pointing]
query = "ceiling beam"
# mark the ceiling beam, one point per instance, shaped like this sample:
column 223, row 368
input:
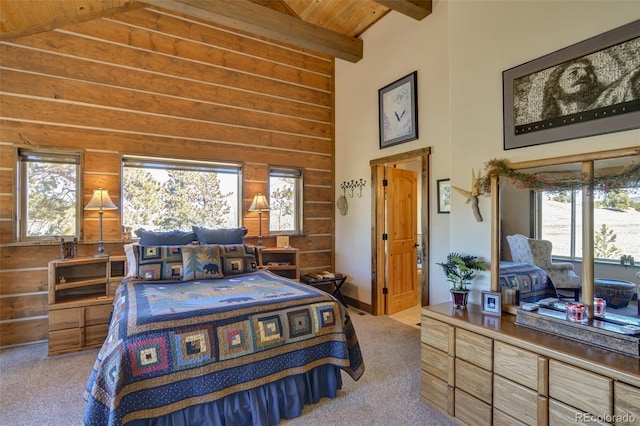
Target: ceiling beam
column 416, row 9
column 250, row 17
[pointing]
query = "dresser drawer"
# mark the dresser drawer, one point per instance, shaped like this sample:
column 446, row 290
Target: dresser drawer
column 581, row 389
column 520, row 366
column 626, row 405
column 471, row 411
column 474, row 348
column 438, row 335
column 503, row 419
column 515, row 400
column 437, row 393
column 437, row 363
column 561, row 414
column 474, row 380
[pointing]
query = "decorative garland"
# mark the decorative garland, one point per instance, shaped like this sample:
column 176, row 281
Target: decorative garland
column 629, row 176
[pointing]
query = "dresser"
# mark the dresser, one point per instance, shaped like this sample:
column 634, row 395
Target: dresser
column 485, row 370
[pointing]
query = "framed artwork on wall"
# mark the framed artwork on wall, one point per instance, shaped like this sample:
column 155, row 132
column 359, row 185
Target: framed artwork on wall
column 586, row 89
column 444, row 195
column 398, row 111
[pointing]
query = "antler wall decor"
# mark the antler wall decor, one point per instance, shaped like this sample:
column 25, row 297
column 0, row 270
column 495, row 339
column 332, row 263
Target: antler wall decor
column 472, row 196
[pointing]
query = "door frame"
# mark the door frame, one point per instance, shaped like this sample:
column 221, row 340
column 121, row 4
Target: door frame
column 378, row 220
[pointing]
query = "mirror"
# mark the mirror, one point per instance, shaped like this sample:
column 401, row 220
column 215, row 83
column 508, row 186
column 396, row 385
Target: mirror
column 581, row 224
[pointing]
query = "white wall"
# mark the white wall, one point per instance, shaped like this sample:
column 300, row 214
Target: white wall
column 459, row 51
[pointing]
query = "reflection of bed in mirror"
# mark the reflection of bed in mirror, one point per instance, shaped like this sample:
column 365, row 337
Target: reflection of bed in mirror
column 531, row 282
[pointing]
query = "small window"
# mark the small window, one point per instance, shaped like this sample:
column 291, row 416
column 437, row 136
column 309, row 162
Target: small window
column 285, row 200
column 163, row 195
column 48, row 195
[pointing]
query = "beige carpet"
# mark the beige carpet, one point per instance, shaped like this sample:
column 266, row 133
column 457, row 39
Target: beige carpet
column 38, row 390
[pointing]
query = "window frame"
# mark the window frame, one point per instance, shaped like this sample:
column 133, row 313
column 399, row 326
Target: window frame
column 23, row 155
column 296, row 173
column 185, row 164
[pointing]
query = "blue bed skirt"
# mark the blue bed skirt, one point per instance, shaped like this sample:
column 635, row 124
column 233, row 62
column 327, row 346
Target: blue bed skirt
column 261, row 406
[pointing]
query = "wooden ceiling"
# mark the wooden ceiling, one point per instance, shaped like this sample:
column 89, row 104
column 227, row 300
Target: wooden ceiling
column 332, row 27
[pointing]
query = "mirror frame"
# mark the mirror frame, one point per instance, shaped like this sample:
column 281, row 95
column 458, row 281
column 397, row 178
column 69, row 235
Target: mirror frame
column 587, row 160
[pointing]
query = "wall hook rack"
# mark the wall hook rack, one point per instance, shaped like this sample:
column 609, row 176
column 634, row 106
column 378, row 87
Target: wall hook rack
column 352, row 185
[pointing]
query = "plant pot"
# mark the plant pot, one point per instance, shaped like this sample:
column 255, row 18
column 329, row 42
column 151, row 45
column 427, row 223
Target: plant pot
column 460, row 298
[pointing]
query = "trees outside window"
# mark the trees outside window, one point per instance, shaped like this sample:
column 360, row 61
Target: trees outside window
column 164, row 195
column 49, row 201
column 616, row 223
column 285, row 200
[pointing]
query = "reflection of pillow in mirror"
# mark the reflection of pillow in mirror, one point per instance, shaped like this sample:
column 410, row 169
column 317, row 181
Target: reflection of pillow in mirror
column 159, row 262
column 165, row 238
column 220, row 236
column 238, row 259
column 201, row 262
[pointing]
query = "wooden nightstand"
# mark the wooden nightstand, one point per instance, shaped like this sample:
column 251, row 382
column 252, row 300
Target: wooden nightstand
column 282, row 261
column 80, row 298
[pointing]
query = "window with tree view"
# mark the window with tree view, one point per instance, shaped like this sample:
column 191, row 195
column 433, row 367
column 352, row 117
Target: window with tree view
column 163, row 195
column 285, row 200
column 616, row 226
column 49, row 203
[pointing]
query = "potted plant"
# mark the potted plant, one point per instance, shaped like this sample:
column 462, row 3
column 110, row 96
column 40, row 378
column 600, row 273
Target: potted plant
column 460, row 270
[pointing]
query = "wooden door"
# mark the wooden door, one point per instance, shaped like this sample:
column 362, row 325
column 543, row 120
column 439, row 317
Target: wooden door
column 402, row 253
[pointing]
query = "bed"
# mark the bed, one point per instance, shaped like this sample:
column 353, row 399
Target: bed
column 229, row 346
column 531, row 282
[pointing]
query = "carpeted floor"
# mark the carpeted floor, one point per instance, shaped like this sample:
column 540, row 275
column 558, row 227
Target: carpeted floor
column 38, row 390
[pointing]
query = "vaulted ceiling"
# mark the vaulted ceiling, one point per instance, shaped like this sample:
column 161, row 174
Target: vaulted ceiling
column 332, row 27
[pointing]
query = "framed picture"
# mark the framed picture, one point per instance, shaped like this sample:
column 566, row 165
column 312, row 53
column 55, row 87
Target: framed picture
column 491, row 303
column 444, row 196
column 586, row 89
column 398, row 111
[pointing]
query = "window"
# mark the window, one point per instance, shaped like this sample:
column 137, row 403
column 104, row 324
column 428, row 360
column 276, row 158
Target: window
column 48, row 200
column 285, row 200
column 616, row 223
column 163, row 195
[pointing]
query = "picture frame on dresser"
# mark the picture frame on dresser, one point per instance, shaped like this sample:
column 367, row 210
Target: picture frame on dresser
column 491, row 303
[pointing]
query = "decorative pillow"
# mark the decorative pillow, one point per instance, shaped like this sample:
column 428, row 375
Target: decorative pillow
column 159, row 262
column 220, row 236
column 131, row 252
column 168, row 238
column 201, row 262
column 238, row 259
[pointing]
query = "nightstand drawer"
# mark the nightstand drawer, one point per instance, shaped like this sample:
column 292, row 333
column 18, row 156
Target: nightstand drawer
column 474, row 348
column 61, row 319
column 61, row 341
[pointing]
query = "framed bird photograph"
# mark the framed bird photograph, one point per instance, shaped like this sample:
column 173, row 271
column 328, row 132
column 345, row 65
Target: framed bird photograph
column 398, row 111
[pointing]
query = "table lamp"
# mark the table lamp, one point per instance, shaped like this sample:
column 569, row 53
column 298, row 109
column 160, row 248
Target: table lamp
column 100, row 201
column 260, row 204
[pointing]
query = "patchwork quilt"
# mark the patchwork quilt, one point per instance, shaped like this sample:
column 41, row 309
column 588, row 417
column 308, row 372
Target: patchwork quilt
column 172, row 345
column 531, row 281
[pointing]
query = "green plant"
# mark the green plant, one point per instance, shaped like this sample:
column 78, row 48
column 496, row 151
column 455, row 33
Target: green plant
column 460, row 270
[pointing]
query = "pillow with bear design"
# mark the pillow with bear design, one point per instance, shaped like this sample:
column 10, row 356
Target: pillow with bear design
column 201, row 262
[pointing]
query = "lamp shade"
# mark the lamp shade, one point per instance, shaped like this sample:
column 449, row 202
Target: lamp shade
column 100, row 201
column 260, row 204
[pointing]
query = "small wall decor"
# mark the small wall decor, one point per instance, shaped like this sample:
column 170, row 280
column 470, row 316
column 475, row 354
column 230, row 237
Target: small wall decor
column 582, row 90
column 398, row 111
column 472, row 196
column 491, row 303
column 444, row 195
column 353, row 184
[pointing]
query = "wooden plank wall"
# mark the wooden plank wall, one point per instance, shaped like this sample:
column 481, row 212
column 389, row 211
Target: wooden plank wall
column 148, row 82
